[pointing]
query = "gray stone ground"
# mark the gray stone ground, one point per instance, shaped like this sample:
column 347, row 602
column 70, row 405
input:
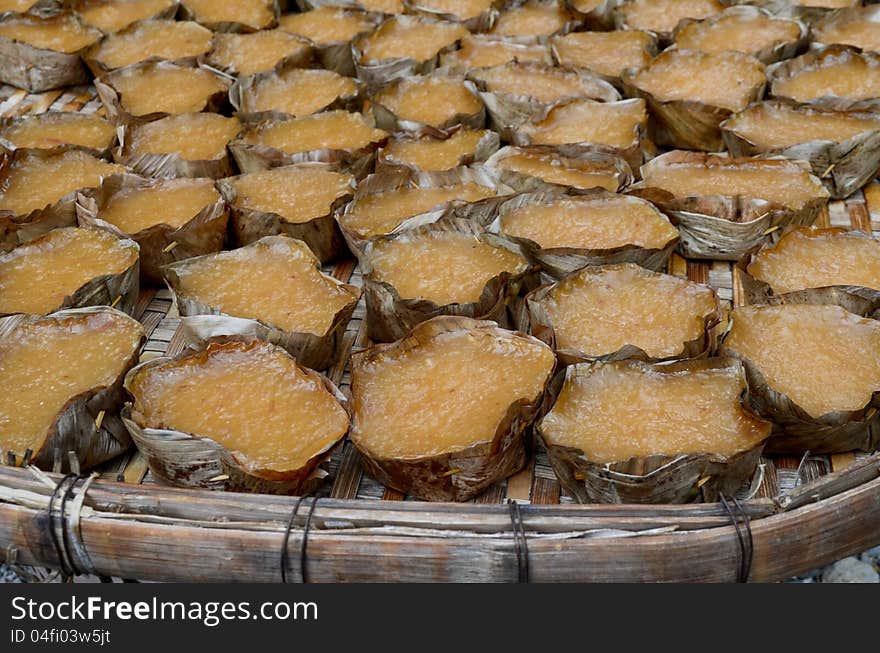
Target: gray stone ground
column 863, row 568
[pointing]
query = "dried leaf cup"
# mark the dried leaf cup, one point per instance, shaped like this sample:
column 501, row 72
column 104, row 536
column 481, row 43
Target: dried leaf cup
column 483, row 149
column 479, row 22
column 44, row 137
column 36, row 69
column 203, row 321
column 509, row 111
column 652, row 477
column 391, row 316
column 252, row 155
column 693, row 123
column 702, row 344
column 114, row 100
column 593, row 14
column 726, row 227
column 561, row 261
column 795, row 429
column 86, row 430
column 589, row 170
column 865, row 66
column 320, row 232
column 844, row 164
column 461, row 471
column 197, row 461
column 481, row 211
column 161, row 243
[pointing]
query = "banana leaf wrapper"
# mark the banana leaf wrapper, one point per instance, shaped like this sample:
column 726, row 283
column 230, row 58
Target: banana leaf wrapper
column 39, row 69
column 252, row 157
column 378, row 74
column 160, row 244
column 192, row 461
column 769, row 54
column 508, row 112
column 201, row 322
column 482, row 22
column 525, row 183
column 561, row 261
column 458, row 475
column 844, row 166
column 114, row 103
column 652, row 479
column 231, row 26
column 52, row 117
column 600, row 18
column 482, row 212
column 170, row 165
column 320, row 233
column 784, row 70
column 486, row 147
column 685, row 124
column 88, row 425
column 796, row 431
column 723, row 228
column 541, row 326
column 391, row 317
column 389, row 121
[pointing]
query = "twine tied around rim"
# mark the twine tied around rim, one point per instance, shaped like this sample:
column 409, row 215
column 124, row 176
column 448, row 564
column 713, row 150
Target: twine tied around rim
column 743, row 527
column 303, row 559
column 520, row 541
column 70, row 549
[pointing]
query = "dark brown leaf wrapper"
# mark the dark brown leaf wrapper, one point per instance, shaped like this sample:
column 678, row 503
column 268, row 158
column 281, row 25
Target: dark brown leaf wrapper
column 459, row 475
column 650, row 479
column 76, row 428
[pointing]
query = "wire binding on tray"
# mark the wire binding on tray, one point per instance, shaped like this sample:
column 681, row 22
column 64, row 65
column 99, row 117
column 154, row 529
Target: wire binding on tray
column 520, row 542
column 64, row 558
column 286, row 538
column 742, row 524
column 303, row 562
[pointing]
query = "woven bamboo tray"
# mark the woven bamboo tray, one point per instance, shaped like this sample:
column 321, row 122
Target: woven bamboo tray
column 799, row 513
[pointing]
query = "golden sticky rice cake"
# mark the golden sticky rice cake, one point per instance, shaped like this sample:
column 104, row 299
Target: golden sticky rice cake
column 380, row 213
column 822, row 357
column 614, row 411
column 113, row 15
column 552, row 168
column 251, row 14
column 16, row 6
column 746, row 32
column 859, row 28
column 165, row 88
column 34, row 182
column 807, row 258
column 164, row 39
column 836, row 72
column 327, row 24
column 331, row 130
column 389, row 7
column 602, row 222
column 436, row 101
column 615, row 124
column 778, row 181
column 248, row 54
column 606, row 53
column 417, row 39
column 443, row 267
column 40, row 275
column 662, row 16
column 275, row 280
column 456, row 395
column 729, row 80
column 827, row 4
column 50, row 363
column 544, row 83
column 457, row 10
column 274, row 418
column 598, row 310
column 173, row 202
column 299, row 91
column 298, row 194
column 59, row 33
column 773, row 125
column 191, row 136
column 533, row 18
column 435, row 154
column 53, row 129
column 483, row 51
